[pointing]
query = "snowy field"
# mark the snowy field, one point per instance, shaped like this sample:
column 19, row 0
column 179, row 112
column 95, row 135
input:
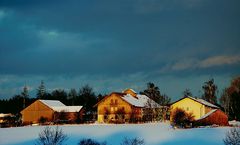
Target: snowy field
column 153, row 134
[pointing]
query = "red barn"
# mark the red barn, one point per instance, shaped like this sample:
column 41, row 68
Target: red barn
column 215, row 116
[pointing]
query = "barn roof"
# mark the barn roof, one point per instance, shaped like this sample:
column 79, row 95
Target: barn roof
column 67, row 108
column 52, row 103
column 59, row 106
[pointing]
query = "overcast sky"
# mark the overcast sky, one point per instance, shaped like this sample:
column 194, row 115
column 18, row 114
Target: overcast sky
column 113, row 45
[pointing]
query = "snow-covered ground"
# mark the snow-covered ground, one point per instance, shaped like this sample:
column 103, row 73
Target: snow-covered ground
column 234, row 123
column 153, row 134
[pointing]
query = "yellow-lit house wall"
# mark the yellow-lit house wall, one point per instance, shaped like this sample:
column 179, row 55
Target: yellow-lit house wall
column 110, row 105
column 190, row 106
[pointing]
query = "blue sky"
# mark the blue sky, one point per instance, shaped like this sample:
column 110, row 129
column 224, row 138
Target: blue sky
column 112, row 45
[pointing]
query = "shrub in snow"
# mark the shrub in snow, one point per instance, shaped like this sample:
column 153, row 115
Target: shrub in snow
column 133, row 141
column 232, row 137
column 90, row 142
column 42, row 120
column 50, row 136
column 181, row 118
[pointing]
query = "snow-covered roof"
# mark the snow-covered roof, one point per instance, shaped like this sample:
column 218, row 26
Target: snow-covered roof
column 206, row 115
column 204, row 102
column 67, row 108
column 59, row 106
column 52, row 103
column 140, row 101
column 2, row 115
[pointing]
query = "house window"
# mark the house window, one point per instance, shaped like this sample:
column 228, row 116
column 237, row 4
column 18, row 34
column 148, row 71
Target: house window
column 115, row 108
column 111, row 101
column 112, row 109
column 116, row 102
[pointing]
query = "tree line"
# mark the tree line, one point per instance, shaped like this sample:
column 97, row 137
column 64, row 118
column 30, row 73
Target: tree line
column 229, row 99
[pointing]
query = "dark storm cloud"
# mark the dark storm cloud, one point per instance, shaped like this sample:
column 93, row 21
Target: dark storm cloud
column 111, row 39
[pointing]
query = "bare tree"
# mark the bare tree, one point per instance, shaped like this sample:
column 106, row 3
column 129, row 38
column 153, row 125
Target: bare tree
column 120, row 113
column 90, row 142
column 133, row 141
column 225, row 101
column 50, row 136
column 232, row 137
column 230, row 99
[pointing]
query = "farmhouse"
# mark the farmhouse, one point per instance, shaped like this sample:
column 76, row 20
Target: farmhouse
column 124, row 107
column 203, row 111
column 4, row 117
column 50, row 110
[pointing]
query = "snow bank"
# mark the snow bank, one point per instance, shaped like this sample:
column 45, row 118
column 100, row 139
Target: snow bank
column 234, row 123
column 153, row 134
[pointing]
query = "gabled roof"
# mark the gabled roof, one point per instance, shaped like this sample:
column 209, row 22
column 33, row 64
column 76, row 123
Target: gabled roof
column 201, row 101
column 140, row 101
column 52, row 103
column 204, row 102
column 137, row 101
column 58, row 106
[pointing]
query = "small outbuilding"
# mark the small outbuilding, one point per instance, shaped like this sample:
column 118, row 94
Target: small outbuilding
column 205, row 113
column 50, row 110
column 215, row 116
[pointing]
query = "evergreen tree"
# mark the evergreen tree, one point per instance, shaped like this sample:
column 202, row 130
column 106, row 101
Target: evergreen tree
column 153, row 93
column 164, row 100
column 210, row 89
column 187, row 93
column 72, row 96
column 41, row 91
column 61, row 95
column 25, row 95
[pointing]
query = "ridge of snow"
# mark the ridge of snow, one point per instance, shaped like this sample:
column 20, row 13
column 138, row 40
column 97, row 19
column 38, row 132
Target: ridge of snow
column 67, row 108
column 52, row 103
column 59, row 106
column 140, row 101
column 206, row 115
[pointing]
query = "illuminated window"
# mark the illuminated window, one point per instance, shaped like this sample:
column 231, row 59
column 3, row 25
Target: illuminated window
column 111, row 101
